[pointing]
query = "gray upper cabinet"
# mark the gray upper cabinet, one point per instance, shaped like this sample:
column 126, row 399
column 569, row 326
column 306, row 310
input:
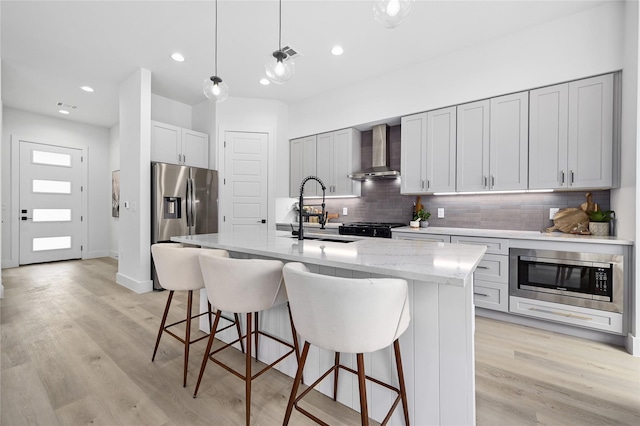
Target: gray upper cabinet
column 331, row 156
column 591, row 133
column 472, row 158
column 571, row 135
column 509, row 142
column 492, row 144
column 428, row 149
column 302, row 164
column 413, row 147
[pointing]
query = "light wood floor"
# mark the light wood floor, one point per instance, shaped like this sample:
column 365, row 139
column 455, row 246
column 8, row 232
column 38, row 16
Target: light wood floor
column 76, row 349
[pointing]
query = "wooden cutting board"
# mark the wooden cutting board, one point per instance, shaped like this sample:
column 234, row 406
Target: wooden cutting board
column 566, row 220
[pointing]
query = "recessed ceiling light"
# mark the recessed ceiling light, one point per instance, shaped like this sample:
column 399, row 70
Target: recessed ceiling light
column 177, row 57
column 87, row 89
column 264, row 81
column 337, row 50
column 62, row 111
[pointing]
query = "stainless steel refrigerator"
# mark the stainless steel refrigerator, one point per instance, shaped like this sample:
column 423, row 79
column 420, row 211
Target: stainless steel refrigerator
column 184, row 201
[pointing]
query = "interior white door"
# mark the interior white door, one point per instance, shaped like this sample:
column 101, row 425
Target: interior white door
column 245, row 181
column 50, row 203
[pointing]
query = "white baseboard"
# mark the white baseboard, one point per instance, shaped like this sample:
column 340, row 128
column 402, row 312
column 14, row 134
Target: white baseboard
column 96, row 254
column 9, row 263
column 633, row 345
column 134, row 285
column 113, row 253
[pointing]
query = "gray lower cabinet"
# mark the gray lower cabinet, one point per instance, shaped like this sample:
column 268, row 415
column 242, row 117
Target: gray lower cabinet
column 571, row 135
column 491, row 278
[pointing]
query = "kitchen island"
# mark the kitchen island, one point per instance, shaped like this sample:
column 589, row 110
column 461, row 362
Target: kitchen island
column 438, row 347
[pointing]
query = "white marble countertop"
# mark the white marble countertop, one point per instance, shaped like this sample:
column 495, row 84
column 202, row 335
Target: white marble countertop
column 409, row 259
column 515, row 235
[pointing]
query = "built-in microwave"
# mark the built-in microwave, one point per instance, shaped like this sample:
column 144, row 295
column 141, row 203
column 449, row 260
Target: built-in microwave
column 590, row 280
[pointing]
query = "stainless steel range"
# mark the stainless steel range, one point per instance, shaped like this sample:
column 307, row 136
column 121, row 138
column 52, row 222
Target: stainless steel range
column 369, row 229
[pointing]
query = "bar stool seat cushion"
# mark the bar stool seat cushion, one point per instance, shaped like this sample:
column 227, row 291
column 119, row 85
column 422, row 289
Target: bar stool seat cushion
column 346, row 314
column 179, row 268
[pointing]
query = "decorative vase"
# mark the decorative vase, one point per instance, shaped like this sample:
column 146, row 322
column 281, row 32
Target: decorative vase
column 600, row 229
column 424, row 224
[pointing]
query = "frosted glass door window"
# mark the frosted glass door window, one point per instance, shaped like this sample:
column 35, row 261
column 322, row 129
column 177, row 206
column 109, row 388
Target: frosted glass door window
column 51, row 215
column 51, row 186
column 51, row 243
column 50, row 158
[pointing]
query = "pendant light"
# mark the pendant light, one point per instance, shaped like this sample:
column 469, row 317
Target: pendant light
column 279, row 67
column 214, row 88
column 391, row 13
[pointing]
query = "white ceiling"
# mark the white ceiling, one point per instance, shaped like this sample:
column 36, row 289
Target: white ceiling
column 51, row 48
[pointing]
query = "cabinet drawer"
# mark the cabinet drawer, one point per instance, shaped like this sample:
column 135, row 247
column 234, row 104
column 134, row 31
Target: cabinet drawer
column 493, row 267
column 489, row 295
column 422, row 237
column 494, row 245
column 574, row 315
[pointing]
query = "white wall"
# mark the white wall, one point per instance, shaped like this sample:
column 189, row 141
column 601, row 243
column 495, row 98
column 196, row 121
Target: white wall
column 134, row 259
column 203, row 119
column 62, row 132
column 579, row 45
column 114, row 161
column 169, row 111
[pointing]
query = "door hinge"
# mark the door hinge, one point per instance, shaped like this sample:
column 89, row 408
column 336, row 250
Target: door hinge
column 81, row 248
column 81, row 188
column 224, row 181
column 225, row 144
column 81, row 219
column 224, row 218
column 82, row 159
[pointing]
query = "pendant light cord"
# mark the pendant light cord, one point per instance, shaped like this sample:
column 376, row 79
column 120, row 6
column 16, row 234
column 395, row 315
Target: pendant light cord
column 280, row 28
column 216, row 42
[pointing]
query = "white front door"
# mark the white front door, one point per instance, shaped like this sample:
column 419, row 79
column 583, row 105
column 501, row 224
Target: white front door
column 50, row 203
column 245, row 181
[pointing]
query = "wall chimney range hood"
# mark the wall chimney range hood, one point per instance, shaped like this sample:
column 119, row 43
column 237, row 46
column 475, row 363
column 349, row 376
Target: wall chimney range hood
column 380, row 168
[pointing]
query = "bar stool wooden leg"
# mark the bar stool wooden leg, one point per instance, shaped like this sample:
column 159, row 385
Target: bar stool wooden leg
column 362, row 385
column 187, row 337
column 335, row 376
column 296, row 383
column 255, row 331
column 209, row 314
column 403, row 389
column 164, row 320
column 248, row 373
column 212, row 335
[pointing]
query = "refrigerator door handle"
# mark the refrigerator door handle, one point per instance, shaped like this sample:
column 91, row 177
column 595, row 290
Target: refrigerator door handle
column 188, row 205
column 192, row 199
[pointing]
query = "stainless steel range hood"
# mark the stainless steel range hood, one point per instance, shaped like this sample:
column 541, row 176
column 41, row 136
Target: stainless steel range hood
column 380, row 160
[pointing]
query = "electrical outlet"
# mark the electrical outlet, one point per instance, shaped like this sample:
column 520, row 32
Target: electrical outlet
column 345, row 212
column 552, row 212
column 440, row 212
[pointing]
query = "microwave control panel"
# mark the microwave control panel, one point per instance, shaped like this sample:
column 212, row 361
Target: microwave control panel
column 601, row 280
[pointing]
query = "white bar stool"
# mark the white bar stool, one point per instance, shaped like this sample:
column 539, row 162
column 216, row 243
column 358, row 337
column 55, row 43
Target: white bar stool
column 244, row 286
column 347, row 315
column 178, row 269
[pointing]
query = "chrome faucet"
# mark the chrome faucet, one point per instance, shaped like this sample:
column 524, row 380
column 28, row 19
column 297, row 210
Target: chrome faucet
column 321, row 216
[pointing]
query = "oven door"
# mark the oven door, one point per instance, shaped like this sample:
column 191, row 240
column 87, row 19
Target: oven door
column 580, row 279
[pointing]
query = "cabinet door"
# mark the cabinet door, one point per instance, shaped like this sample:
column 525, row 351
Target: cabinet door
column 302, row 164
column 509, row 142
column 346, row 153
column 165, row 143
column 591, row 132
column 441, row 150
column 548, row 137
column 413, row 146
column 195, row 149
column 324, row 160
column 472, row 158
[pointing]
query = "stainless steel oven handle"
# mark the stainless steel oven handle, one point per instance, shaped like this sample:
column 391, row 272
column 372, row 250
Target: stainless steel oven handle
column 557, row 261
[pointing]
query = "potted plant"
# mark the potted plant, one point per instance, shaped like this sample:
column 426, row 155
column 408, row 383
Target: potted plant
column 423, row 215
column 599, row 222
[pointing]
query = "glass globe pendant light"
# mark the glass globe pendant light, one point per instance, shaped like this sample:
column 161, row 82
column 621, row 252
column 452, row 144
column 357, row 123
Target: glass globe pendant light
column 391, row 13
column 279, row 67
column 213, row 87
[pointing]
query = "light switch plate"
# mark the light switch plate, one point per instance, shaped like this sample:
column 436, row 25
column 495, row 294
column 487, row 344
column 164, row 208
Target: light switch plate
column 344, row 211
column 552, row 212
column 440, row 212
